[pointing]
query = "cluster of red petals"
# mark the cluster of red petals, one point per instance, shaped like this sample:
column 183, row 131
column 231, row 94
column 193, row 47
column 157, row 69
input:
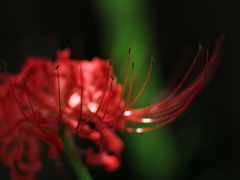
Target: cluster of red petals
column 81, row 98
column 41, row 101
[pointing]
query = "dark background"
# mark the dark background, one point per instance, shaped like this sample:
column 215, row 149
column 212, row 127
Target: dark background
column 39, row 28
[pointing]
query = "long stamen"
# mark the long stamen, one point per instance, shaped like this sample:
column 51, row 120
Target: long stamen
column 185, row 76
column 81, row 104
column 145, row 84
column 109, row 98
column 29, row 100
column 59, row 95
column 104, row 92
column 140, row 130
column 125, row 81
column 165, row 99
column 15, row 97
column 31, row 106
column 128, row 95
column 130, row 87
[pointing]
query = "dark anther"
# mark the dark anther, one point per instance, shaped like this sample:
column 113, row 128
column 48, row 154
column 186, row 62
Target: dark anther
column 57, row 66
column 24, row 81
column 153, row 61
column 132, row 64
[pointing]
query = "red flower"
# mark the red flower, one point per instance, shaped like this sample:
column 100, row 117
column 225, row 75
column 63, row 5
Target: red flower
column 81, row 98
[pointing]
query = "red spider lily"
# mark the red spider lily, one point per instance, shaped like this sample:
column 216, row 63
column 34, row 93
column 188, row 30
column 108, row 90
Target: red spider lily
column 82, row 98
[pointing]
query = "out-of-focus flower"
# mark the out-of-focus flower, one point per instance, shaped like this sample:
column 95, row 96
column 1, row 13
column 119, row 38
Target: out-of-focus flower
column 81, row 98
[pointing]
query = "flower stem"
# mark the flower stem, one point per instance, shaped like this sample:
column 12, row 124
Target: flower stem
column 80, row 171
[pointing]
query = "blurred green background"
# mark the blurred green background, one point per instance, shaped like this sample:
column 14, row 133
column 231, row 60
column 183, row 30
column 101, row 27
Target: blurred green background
column 203, row 144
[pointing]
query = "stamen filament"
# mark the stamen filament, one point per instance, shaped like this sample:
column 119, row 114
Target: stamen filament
column 140, row 130
column 145, row 84
column 34, row 115
column 15, row 97
column 130, row 88
column 109, row 98
column 125, row 82
column 104, row 92
column 184, row 77
column 128, row 96
column 163, row 102
column 59, row 95
column 81, row 95
column 31, row 106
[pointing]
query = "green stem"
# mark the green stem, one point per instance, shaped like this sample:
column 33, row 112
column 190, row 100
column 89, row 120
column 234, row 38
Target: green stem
column 81, row 171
